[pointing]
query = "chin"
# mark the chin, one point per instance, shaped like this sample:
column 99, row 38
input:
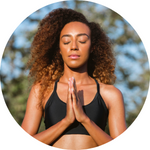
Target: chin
column 74, row 66
column 77, row 65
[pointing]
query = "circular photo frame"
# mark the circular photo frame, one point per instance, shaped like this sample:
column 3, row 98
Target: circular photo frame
column 132, row 65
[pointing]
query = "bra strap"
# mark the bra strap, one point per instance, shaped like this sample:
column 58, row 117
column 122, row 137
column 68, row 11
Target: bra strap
column 97, row 85
column 55, row 87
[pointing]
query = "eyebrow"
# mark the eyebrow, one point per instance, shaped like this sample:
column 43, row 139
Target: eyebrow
column 68, row 35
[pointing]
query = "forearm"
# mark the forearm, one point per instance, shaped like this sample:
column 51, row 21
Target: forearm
column 51, row 134
column 96, row 132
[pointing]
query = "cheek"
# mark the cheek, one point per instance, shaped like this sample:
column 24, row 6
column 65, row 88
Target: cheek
column 63, row 52
column 63, row 48
column 86, row 49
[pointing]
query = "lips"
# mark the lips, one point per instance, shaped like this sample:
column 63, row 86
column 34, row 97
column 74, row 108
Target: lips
column 74, row 56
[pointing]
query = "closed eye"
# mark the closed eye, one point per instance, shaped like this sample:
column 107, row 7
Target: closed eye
column 79, row 41
column 82, row 42
column 66, row 43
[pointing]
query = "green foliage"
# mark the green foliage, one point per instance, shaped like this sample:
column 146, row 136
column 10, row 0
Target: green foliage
column 16, row 97
column 131, row 68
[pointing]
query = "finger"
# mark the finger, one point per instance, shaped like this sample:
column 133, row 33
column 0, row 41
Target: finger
column 74, row 98
column 75, row 90
column 71, row 85
column 74, row 93
column 69, row 92
column 73, row 82
column 74, row 85
column 68, row 87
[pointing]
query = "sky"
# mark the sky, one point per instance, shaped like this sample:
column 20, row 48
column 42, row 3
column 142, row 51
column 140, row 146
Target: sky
column 25, row 26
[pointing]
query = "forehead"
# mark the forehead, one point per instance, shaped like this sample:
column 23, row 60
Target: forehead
column 75, row 28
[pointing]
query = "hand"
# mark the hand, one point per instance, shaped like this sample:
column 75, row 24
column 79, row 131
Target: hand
column 70, row 116
column 77, row 106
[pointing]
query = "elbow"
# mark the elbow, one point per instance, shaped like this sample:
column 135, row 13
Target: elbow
column 107, row 139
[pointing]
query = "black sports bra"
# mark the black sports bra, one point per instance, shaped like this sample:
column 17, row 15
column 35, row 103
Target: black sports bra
column 55, row 111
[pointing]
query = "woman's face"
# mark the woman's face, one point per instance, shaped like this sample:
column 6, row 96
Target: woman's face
column 75, row 43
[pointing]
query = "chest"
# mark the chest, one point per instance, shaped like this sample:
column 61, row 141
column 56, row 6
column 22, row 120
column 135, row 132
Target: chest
column 55, row 111
column 86, row 94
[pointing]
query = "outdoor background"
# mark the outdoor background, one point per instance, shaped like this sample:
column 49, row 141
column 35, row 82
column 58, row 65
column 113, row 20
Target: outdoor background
column 132, row 68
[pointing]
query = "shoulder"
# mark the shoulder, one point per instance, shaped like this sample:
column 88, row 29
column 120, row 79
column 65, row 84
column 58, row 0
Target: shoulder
column 33, row 99
column 111, row 95
column 36, row 91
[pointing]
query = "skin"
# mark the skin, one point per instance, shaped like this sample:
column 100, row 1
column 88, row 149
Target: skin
column 76, row 88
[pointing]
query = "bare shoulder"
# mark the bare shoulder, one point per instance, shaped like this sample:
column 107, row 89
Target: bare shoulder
column 35, row 91
column 111, row 95
column 33, row 95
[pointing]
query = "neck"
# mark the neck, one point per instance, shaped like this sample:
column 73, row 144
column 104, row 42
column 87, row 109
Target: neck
column 80, row 74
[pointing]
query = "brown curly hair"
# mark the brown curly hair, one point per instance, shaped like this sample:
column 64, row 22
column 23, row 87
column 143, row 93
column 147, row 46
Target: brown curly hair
column 46, row 64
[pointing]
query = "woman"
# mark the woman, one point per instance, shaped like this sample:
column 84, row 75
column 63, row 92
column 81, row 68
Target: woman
column 72, row 65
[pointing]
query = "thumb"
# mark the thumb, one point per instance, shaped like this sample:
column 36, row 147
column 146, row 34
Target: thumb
column 69, row 93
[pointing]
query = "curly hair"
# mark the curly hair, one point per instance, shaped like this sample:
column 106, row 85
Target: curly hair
column 46, row 63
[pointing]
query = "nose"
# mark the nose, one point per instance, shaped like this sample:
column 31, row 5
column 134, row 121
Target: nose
column 74, row 45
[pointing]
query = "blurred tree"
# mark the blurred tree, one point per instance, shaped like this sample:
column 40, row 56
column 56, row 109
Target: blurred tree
column 131, row 68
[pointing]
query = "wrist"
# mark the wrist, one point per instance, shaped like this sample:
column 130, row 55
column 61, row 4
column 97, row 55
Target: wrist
column 66, row 122
column 86, row 120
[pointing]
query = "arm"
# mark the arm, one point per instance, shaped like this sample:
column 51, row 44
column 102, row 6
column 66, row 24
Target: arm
column 116, row 116
column 33, row 117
